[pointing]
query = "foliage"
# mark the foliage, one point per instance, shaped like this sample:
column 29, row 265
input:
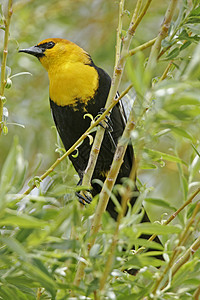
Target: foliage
column 43, row 232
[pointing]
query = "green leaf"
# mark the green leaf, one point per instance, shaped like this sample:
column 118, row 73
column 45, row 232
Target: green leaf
column 194, row 167
column 160, row 202
column 174, row 53
column 185, row 186
column 22, row 220
column 183, row 35
column 137, row 262
column 148, row 228
column 93, row 286
column 8, row 167
column 14, row 246
column 44, row 279
column 185, row 45
column 14, row 170
column 94, row 251
column 66, row 245
column 195, row 12
column 179, row 131
column 193, row 19
column 21, row 73
column 157, row 155
column 8, row 293
column 195, row 149
column 146, row 166
column 139, row 242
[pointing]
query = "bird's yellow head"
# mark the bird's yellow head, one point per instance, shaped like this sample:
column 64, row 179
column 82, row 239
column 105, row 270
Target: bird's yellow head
column 56, row 51
column 72, row 75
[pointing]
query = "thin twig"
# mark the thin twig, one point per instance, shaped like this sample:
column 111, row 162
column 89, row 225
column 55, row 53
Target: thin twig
column 118, row 71
column 172, row 217
column 164, row 75
column 97, row 217
column 141, row 47
column 125, row 199
column 176, row 251
column 119, row 32
column 39, row 293
column 75, row 145
column 104, row 195
column 197, row 294
column 4, row 59
column 137, row 19
column 162, row 34
column 110, row 179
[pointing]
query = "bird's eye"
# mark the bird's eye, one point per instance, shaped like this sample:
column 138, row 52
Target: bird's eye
column 50, row 45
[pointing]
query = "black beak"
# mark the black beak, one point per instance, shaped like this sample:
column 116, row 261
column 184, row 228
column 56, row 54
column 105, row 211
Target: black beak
column 35, row 50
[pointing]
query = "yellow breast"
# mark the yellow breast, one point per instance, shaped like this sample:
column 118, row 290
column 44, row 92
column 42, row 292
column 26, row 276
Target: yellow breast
column 72, row 82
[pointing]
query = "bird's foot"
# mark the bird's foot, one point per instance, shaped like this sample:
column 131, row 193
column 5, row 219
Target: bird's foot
column 108, row 121
column 83, row 198
column 108, row 128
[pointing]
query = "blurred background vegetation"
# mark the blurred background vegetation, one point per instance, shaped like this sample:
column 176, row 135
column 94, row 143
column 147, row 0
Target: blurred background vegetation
column 170, row 126
column 92, row 25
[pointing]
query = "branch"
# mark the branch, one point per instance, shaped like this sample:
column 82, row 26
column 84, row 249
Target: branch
column 76, row 144
column 141, row 47
column 118, row 72
column 164, row 75
column 172, row 217
column 162, row 34
column 105, row 195
column 137, row 19
column 119, row 32
column 102, row 203
column 125, row 199
column 197, row 294
column 191, row 250
column 182, row 239
column 120, row 151
column 4, row 59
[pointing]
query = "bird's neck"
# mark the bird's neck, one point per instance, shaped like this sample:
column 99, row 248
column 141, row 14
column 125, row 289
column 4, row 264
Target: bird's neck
column 71, row 82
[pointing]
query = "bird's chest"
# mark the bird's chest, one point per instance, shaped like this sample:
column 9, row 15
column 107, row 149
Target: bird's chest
column 71, row 83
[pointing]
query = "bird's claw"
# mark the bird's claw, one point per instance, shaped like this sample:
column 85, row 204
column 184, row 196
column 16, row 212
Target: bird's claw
column 107, row 120
column 83, row 199
column 108, row 128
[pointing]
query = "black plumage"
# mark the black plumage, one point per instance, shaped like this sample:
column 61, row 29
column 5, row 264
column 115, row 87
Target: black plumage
column 71, row 124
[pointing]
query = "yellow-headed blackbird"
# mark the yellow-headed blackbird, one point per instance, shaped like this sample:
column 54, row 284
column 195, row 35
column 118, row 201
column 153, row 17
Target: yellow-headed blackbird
column 77, row 86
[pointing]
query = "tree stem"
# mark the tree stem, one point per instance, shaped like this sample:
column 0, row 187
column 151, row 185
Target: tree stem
column 162, row 34
column 4, row 59
column 110, row 180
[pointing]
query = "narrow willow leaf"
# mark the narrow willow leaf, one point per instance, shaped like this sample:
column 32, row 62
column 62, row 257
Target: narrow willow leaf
column 21, row 73
column 157, row 155
column 94, row 251
column 14, row 246
column 173, row 54
column 155, row 228
column 22, row 220
column 160, row 202
column 8, row 167
column 148, row 166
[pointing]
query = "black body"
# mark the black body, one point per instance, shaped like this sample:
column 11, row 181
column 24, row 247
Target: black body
column 71, row 125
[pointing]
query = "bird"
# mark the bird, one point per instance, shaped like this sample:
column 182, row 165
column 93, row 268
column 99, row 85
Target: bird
column 78, row 87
